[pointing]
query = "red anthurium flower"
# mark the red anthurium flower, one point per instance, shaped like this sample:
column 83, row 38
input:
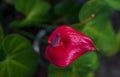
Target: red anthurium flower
column 66, row 45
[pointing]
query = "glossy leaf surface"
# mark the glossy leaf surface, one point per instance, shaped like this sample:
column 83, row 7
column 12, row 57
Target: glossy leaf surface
column 99, row 27
column 19, row 60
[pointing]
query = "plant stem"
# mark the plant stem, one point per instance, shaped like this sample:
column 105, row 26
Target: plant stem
column 85, row 21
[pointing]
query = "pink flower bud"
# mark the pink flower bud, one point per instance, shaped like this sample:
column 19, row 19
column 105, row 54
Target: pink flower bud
column 66, row 45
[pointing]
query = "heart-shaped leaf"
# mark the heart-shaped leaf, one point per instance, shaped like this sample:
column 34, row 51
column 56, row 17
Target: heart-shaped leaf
column 34, row 10
column 99, row 28
column 82, row 67
column 19, row 60
column 115, row 4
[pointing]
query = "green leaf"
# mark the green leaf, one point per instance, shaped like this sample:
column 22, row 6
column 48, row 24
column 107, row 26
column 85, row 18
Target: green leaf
column 77, row 27
column 34, row 10
column 118, row 41
column 20, row 59
column 82, row 67
column 114, row 4
column 86, row 63
column 90, row 75
column 61, row 72
column 99, row 28
column 66, row 72
column 69, row 11
column 103, row 37
column 94, row 7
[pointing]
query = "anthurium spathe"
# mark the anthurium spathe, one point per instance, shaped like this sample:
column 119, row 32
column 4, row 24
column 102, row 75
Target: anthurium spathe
column 66, row 45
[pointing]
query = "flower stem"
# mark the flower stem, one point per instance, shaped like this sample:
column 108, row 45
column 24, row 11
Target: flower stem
column 85, row 21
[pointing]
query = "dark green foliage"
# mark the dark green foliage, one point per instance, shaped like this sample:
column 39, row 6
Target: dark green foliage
column 84, row 66
column 17, row 57
column 99, row 27
column 68, row 11
column 35, row 11
column 115, row 4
